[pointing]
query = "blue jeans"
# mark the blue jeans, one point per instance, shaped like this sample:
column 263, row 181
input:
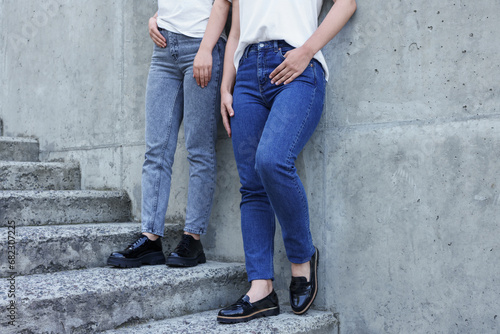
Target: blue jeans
column 270, row 127
column 172, row 96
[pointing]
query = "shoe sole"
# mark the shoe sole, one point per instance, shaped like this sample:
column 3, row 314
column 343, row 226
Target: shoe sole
column 185, row 262
column 263, row 313
column 148, row 259
column 315, row 286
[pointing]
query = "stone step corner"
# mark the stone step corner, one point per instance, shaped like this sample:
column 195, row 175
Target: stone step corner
column 60, row 207
column 19, row 149
column 20, row 175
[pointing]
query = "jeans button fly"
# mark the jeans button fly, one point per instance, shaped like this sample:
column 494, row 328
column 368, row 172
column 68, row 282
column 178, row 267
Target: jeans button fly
column 261, row 45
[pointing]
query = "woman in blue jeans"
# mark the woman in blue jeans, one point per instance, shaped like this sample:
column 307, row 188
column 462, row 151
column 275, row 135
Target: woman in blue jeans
column 272, row 95
column 183, row 85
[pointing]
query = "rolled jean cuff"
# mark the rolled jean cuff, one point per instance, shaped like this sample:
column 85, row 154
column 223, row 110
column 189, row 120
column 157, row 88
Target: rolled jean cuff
column 250, row 278
column 304, row 260
column 195, row 231
column 147, row 230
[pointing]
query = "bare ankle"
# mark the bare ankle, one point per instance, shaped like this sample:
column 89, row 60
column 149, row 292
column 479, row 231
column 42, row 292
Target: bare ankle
column 151, row 236
column 302, row 270
column 195, row 236
column 260, row 289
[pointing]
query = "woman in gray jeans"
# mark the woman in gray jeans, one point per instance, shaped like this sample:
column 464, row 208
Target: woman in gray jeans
column 183, row 84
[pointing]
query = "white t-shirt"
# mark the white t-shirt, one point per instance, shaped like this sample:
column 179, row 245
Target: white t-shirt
column 291, row 20
column 187, row 17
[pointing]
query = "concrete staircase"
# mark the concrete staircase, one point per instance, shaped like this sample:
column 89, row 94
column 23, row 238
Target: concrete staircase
column 62, row 238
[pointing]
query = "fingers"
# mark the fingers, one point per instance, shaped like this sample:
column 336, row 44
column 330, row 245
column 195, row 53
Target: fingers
column 160, row 41
column 155, row 34
column 294, row 64
column 281, row 73
column 202, row 75
column 276, row 71
column 208, row 75
column 285, row 77
column 227, row 125
column 290, row 79
column 227, row 112
column 281, row 76
column 196, row 75
column 226, row 122
column 202, row 67
column 157, row 37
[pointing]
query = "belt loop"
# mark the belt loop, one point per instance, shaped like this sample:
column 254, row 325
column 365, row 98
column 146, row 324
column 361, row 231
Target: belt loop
column 276, row 46
column 245, row 53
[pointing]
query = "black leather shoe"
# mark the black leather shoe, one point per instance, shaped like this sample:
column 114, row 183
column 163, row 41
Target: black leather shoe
column 302, row 292
column 142, row 251
column 243, row 310
column 188, row 253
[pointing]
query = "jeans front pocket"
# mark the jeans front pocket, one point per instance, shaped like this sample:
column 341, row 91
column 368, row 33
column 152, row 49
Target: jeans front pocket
column 309, row 74
column 283, row 50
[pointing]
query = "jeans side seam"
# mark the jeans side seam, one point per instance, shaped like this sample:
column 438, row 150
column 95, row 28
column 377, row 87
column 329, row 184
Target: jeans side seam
column 290, row 153
column 214, row 124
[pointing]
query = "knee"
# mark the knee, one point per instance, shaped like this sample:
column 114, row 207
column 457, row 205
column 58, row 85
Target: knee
column 202, row 161
column 151, row 156
column 157, row 158
column 267, row 163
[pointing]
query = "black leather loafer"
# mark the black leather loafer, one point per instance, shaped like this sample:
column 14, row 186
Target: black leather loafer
column 188, row 253
column 243, row 310
column 142, row 251
column 302, row 292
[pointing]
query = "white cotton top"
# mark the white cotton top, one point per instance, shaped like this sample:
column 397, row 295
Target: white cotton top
column 186, row 17
column 291, row 20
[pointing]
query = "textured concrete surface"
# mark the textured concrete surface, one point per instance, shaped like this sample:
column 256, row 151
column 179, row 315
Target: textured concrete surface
column 430, row 249
column 223, row 239
column 403, row 61
column 32, row 207
column 86, row 301
column 409, row 134
column 411, row 159
column 18, row 149
column 42, row 249
column 313, row 322
column 39, row 176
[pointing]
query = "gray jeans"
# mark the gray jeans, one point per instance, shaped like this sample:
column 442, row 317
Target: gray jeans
column 172, row 96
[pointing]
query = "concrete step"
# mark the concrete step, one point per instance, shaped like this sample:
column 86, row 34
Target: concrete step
column 18, row 149
column 91, row 300
column 59, row 207
column 313, row 322
column 43, row 249
column 15, row 175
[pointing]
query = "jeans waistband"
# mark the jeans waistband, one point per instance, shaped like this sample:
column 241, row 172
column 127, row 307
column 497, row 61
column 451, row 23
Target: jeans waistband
column 274, row 45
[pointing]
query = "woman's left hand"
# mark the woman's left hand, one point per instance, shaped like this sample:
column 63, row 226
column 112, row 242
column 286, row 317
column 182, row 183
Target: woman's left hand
column 202, row 67
column 226, row 109
column 295, row 63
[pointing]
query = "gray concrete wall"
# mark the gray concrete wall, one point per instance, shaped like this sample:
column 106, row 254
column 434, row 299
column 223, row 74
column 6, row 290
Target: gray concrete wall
column 411, row 155
column 402, row 173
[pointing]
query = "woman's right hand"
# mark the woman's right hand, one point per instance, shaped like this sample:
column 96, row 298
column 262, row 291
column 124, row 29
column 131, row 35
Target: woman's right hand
column 155, row 34
column 226, row 109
